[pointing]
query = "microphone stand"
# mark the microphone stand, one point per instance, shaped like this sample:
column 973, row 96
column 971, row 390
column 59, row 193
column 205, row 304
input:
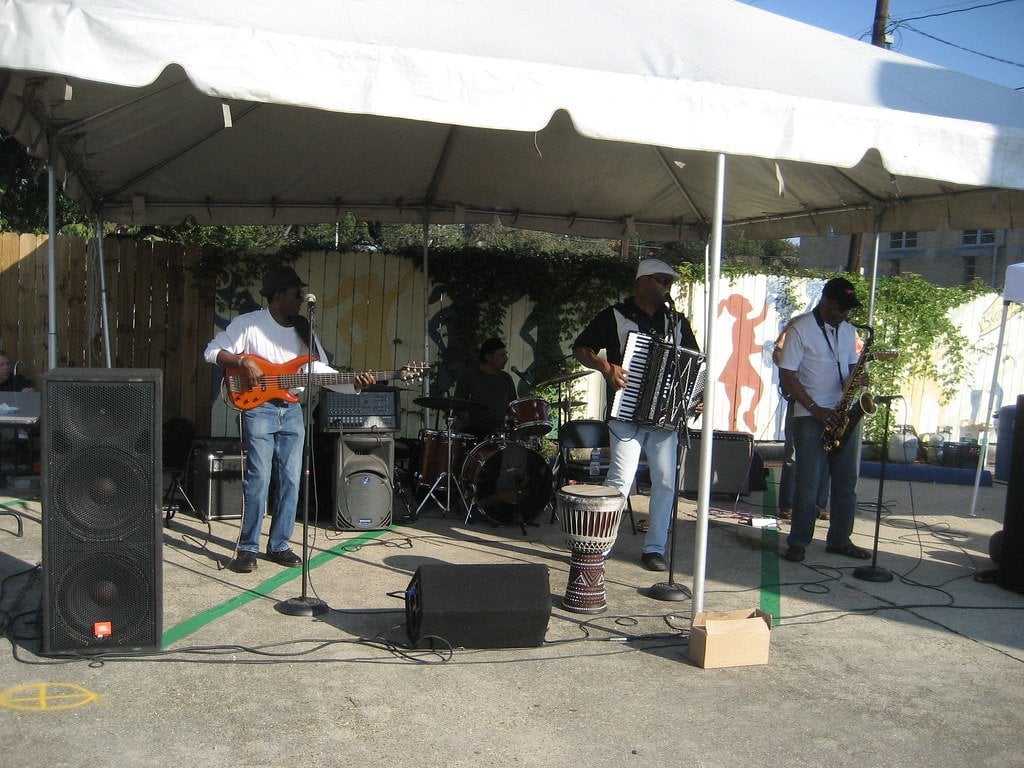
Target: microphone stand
column 669, row 590
column 305, row 604
column 873, row 572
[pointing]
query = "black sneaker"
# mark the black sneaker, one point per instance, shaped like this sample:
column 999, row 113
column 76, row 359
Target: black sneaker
column 285, row 557
column 653, row 561
column 244, row 562
column 794, row 553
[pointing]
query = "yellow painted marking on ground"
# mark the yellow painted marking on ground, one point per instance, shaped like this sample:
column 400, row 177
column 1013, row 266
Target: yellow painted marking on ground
column 47, row 697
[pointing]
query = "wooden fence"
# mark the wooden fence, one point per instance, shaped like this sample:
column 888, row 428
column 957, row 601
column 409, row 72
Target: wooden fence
column 374, row 312
column 159, row 315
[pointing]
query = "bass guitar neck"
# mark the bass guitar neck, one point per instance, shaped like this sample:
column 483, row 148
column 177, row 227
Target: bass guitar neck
column 241, row 391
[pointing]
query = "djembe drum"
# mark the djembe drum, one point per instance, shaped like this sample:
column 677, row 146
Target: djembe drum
column 590, row 522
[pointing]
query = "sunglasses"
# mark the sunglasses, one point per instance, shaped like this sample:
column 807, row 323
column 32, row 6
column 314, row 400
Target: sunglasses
column 662, row 280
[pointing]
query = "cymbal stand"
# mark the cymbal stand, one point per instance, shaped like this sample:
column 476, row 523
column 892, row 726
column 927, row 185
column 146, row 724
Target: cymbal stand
column 447, row 475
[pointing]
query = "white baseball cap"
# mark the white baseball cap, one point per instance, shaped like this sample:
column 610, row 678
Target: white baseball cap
column 655, row 267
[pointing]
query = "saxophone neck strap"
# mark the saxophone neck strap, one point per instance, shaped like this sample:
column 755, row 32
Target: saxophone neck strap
column 834, row 350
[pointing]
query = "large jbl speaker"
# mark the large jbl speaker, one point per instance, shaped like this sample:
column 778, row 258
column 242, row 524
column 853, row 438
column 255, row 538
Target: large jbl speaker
column 1011, row 558
column 731, row 454
column 364, row 486
column 479, row 606
column 101, row 481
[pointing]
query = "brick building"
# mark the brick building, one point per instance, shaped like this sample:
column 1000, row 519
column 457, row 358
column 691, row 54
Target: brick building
column 943, row 256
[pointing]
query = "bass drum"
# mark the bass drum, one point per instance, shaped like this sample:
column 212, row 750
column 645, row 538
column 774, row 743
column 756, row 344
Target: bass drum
column 506, row 481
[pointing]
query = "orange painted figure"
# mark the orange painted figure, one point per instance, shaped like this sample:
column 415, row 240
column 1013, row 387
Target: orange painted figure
column 738, row 373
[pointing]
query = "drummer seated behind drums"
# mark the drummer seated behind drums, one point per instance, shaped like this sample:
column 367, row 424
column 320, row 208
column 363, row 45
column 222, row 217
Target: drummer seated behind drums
column 486, row 383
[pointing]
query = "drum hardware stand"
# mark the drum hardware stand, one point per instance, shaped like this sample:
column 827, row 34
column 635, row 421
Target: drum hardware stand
column 448, row 476
column 305, row 604
column 873, row 572
column 176, row 495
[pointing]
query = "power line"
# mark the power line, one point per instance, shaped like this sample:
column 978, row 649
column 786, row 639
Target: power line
column 903, row 25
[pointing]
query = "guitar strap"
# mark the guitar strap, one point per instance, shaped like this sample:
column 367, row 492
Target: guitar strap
column 301, row 325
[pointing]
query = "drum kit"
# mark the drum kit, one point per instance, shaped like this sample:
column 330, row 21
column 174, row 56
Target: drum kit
column 502, row 478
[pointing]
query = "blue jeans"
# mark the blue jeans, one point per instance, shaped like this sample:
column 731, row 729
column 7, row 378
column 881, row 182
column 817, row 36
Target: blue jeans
column 786, row 478
column 273, row 439
column 627, row 441
column 841, row 468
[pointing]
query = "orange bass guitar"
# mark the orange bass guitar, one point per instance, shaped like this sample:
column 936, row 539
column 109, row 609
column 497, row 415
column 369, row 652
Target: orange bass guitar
column 239, row 391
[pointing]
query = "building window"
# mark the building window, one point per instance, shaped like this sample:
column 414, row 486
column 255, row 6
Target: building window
column 902, row 240
column 894, row 267
column 978, row 237
column 970, row 268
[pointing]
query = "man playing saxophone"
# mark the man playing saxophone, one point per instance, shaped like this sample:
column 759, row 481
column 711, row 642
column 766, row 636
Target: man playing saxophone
column 820, row 367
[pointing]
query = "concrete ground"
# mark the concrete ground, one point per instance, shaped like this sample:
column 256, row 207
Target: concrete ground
column 927, row 669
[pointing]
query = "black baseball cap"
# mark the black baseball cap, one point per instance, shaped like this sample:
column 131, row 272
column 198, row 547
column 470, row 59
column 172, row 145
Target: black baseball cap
column 492, row 344
column 841, row 291
column 280, row 279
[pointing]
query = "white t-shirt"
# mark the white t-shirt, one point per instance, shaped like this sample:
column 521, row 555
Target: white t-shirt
column 257, row 333
column 822, row 356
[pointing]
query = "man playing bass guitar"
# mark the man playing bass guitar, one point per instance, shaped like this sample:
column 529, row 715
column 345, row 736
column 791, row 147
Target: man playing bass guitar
column 272, row 430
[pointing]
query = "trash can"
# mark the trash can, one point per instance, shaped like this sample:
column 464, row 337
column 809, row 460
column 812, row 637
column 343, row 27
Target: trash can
column 1004, row 441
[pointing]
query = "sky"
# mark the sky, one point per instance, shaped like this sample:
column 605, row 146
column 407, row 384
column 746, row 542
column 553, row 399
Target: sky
column 989, row 29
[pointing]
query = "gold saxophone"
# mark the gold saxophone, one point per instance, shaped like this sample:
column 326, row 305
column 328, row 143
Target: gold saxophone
column 853, row 405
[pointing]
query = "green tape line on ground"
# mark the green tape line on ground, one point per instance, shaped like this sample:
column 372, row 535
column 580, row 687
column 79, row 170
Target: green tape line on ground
column 263, row 589
column 771, row 601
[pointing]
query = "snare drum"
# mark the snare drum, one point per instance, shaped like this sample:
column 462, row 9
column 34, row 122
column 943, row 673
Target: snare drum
column 529, row 417
column 507, row 482
column 434, row 454
column 590, row 523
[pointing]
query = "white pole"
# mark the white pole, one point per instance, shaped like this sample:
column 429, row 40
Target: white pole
column 51, row 257
column 426, row 301
column 707, row 435
column 101, row 269
column 983, row 440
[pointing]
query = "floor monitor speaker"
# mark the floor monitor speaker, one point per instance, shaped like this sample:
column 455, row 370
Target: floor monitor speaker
column 479, row 606
column 364, row 488
column 1011, row 559
column 731, row 454
column 101, row 500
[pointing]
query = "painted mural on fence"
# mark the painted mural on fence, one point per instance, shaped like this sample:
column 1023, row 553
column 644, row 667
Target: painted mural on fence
column 375, row 313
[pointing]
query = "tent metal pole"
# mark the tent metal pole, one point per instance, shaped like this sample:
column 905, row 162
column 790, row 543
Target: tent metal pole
column 426, row 300
column 51, row 257
column 983, row 435
column 101, row 269
column 707, row 435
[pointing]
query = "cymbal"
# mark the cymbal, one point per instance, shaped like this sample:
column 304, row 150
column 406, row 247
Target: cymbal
column 450, row 404
column 563, row 377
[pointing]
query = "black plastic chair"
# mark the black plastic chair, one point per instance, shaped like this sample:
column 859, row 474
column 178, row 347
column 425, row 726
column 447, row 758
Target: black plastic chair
column 583, row 434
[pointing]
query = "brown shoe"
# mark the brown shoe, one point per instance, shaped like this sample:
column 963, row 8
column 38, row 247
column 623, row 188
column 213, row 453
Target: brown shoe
column 823, row 514
column 786, row 513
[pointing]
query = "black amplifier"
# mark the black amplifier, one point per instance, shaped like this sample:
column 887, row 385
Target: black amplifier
column 373, row 410
column 214, row 482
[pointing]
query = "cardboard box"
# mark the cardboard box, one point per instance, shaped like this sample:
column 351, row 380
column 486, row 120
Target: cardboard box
column 730, row 638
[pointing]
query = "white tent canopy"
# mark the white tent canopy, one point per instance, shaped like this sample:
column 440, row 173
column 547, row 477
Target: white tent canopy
column 588, row 117
column 583, row 116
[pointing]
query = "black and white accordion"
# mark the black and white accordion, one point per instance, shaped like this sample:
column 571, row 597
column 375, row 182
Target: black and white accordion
column 659, row 392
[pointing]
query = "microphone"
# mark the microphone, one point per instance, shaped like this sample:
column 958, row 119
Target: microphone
column 311, row 298
column 520, row 374
column 886, row 398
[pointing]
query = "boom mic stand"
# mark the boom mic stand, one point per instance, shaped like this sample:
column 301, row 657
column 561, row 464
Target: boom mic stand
column 304, row 604
column 873, row 572
column 669, row 590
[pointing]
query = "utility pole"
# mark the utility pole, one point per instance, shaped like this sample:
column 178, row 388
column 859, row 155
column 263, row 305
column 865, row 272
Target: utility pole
column 856, row 250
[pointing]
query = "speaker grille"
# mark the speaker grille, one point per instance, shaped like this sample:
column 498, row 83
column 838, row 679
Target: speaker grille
column 102, row 544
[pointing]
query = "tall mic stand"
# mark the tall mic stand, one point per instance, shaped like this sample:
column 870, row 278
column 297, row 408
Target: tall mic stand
column 873, row 572
column 669, row 590
column 305, row 604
